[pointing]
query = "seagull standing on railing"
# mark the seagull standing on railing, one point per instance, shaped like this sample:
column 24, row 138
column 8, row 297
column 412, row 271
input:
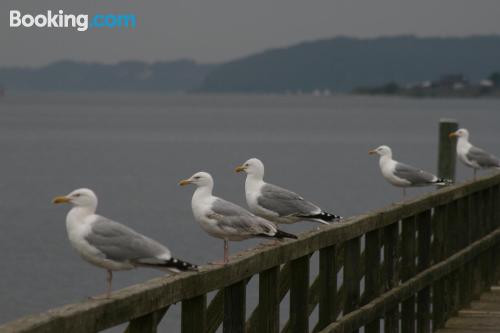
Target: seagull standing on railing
column 403, row 175
column 226, row 220
column 109, row 244
column 275, row 203
column 471, row 156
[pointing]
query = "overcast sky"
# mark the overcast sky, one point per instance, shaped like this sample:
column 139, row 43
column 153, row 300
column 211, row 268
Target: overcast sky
column 218, row 30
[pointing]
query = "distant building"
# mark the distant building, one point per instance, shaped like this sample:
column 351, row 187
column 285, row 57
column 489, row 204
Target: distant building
column 426, row 84
column 451, row 81
column 486, row 83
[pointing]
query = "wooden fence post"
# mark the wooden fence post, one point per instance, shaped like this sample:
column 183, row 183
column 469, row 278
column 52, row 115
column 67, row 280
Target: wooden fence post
column 391, row 274
column 408, row 269
column 447, row 149
column 352, row 275
column 424, row 227
column 328, row 286
column 194, row 315
column 373, row 279
column 269, row 301
column 234, row 308
column 299, row 291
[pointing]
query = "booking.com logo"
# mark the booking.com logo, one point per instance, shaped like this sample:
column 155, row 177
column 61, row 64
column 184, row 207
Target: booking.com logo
column 81, row 21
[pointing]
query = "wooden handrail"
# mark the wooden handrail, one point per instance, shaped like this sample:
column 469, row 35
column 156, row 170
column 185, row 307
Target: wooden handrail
column 377, row 307
column 155, row 295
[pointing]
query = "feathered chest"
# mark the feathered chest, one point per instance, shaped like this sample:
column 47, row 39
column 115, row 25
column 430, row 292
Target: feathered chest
column 201, row 207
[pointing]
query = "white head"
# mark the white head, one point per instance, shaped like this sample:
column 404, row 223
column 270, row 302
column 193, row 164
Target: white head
column 82, row 197
column 253, row 167
column 461, row 133
column 200, row 179
column 381, row 151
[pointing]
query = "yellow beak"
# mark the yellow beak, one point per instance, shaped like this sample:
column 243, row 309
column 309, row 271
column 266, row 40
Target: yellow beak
column 372, row 152
column 60, row 200
column 241, row 168
column 452, row 135
column 184, row 182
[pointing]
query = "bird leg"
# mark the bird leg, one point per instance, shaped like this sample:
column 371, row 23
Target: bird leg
column 109, row 279
column 404, row 192
column 475, row 173
column 226, row 255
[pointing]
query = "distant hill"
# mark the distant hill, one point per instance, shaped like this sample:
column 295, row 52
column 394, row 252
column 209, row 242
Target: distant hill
column 340, row 64
column 337, row 64
column 70, row 76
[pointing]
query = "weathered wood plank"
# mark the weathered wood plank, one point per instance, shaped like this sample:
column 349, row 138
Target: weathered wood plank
column 194, row 315
column 479, row 324
column 283, row 288
column 391, row 274
column 373, row 283
column 139, row 300
column 151, row 321
column 475, row 218
column 312, row 302
column 438, row 255
column 390, row 299
column 299, row 288
column 465, row 271
column 408, row 271
column 496, row 223
column 215, row 312
column 328, row 286
column 452, row 245
column 144, row 324
column 234, row 308
column 447, row 151
column 424, row 227
column 269, row 301
column 352, row 275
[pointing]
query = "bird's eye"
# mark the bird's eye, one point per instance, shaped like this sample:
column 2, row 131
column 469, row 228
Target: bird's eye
column 77, row 195
column 247, row 165
column 197, row 177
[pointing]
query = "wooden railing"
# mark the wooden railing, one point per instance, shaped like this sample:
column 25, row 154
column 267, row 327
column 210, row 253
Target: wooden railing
column 407, row 267
column 404, row 268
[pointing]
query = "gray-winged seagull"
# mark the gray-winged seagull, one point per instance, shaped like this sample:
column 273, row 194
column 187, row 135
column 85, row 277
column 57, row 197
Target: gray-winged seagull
column 403, row 175
column 275, row 203
column 471, row 156
column 226, row 220
column 109, row 244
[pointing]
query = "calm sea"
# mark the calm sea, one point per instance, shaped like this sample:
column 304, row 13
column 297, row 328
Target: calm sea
column 133, row 149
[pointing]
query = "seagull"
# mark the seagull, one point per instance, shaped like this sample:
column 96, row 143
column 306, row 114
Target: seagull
column 472, row 156
column 226, row 220
column 275, row 203
column 110, row 245
column 403, row 175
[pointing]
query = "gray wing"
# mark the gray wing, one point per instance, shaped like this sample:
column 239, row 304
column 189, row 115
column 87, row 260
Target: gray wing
column 413, row 175
column 234, row 218
column 285, row 202
column 120, row 243
column 483, row 158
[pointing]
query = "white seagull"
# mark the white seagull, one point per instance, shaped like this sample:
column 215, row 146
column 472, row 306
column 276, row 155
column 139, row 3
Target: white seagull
column 110, row 245
column 275, row 203
column 226, row 220
column 471, row 156
column 403, row 175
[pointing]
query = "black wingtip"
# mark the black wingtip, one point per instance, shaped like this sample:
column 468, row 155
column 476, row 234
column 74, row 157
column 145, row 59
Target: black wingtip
column 324, row 216
column 443, row 181
column 283, row 234
column 180, row 265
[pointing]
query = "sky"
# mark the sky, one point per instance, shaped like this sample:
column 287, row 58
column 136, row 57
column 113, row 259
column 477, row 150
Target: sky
column 220, row 30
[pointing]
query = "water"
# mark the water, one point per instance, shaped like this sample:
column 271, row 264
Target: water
column 133, row 150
